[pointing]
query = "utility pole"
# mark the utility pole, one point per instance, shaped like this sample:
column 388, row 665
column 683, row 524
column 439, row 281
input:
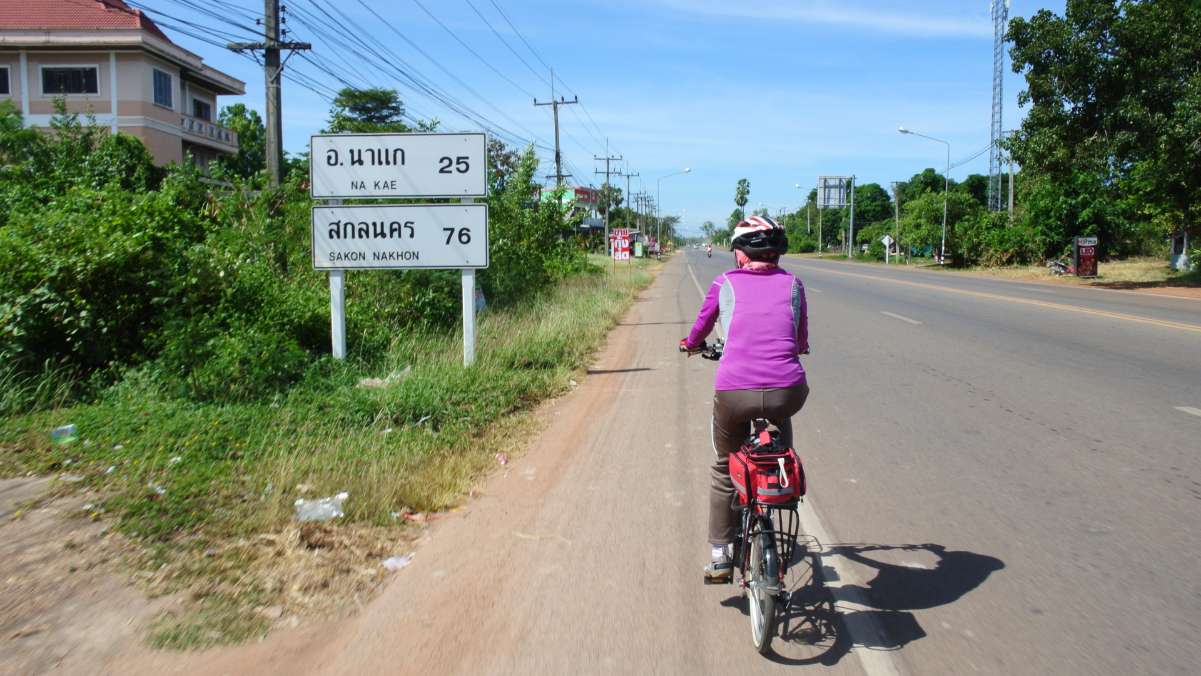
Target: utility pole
column 272, row 72
column 628, row 175
column 1011, row 188
column 608, row 207
column 554, row 104
column 896, row 211
column 851, row 231
column 820, row 251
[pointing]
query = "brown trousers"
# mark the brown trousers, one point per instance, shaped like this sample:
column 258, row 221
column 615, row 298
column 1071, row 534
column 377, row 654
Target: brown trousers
column 733, row 411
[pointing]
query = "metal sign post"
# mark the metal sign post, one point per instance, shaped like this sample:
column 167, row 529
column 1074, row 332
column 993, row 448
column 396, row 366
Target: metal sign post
column 399, row 236
column 337, row 306
column 467, row 281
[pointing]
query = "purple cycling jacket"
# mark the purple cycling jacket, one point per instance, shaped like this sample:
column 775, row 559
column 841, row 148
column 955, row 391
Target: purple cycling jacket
column 766, row 323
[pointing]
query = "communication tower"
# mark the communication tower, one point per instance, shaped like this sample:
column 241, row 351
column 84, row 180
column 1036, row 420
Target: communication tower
column 1000, row 20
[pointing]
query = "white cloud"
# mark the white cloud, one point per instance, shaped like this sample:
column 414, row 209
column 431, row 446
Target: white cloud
column 896, row 20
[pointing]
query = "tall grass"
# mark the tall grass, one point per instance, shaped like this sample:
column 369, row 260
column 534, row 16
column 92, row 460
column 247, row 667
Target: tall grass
column 50, row 388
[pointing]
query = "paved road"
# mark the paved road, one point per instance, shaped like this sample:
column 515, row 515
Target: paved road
column 1041, row 448
column 1002, row 481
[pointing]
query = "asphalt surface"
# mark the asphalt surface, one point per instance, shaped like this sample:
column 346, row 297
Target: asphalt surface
column 1002, row 480
column 1030, row 437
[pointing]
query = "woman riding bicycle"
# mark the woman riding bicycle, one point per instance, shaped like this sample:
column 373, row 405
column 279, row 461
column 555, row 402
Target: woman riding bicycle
column 763, row 311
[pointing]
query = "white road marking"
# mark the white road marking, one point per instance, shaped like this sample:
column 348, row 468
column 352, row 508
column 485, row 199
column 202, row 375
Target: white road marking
column 851, row 586
column 810, row 288
column 902, row 318
column 874, row 662
column 1190, row 410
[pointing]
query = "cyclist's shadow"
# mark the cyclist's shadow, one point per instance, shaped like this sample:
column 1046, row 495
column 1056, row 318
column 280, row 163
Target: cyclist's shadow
column 812, row 630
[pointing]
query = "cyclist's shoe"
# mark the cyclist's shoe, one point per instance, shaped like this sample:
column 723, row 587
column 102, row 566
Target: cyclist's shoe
column 720, row 570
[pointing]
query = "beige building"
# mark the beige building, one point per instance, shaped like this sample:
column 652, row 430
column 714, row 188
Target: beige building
column 111, row 61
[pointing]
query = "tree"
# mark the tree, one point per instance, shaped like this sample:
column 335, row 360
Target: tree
column 922, row 222
column 367, row 111
column 708, row 230
column 251, row 157
column 733, row 219
column 503, row 161
column 976, row 185
column 926, row 181
column 741, row 194
column 608, row 197
column 1112, row 141
column 872, row 204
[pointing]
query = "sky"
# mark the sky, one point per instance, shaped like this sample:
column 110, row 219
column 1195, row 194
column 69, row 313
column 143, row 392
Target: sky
column 777, row 92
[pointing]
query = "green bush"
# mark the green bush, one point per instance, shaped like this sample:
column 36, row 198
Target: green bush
column 802, row 244
column 88, row 277
column 108, row 263
column 875, row 250
column 246, row 364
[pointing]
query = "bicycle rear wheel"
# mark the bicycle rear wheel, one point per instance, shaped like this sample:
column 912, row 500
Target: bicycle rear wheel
column 762, row 578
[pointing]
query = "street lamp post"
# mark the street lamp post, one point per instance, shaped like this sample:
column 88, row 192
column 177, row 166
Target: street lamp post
column 658, row 196
column 808, row 214
column 946, row 178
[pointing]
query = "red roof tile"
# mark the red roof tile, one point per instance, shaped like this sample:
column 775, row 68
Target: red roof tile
column 74, row 15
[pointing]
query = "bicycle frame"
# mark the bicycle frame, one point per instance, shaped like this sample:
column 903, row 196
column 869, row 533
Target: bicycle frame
column 781, row 522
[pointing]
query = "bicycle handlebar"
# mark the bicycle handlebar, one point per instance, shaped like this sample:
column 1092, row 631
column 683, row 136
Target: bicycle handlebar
column 712, row 351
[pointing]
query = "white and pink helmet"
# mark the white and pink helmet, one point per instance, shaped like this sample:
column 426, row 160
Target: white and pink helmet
column 759, row 237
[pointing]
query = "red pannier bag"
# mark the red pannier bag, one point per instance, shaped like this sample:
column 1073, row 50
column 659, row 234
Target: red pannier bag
column 773, row 473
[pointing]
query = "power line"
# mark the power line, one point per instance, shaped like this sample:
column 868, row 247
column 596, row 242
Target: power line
column 599, row 133
column 467, row 47
column 415, row 80
column 973, row 156
column 222, row 17
column 439, row 65
column 423, row 84
column 506, row 43
column 224, row 35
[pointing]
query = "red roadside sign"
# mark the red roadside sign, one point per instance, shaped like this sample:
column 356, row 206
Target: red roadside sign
column 620, row 237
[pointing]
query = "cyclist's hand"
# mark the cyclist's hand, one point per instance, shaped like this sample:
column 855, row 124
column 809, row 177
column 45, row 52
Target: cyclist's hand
column 684, row 347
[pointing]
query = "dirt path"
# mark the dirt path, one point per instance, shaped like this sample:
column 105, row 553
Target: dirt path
column 66, row 603
column 583, row 556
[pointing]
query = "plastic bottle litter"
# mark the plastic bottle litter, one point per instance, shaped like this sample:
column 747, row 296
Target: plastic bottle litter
column 323, row 509
column 64, row 435
column 395, row 563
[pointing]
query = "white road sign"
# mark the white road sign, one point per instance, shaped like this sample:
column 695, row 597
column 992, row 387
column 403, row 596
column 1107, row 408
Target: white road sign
column 343, row 166
column 400, row 236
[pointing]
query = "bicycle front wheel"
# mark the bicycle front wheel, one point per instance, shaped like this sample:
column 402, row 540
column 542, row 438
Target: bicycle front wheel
column 762, row 567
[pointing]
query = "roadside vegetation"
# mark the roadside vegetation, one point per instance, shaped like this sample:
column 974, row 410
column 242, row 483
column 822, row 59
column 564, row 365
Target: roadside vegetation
column 178, row 325
column 1110, row 146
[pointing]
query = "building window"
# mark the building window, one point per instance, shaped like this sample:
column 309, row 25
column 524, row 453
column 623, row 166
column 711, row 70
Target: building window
column 59, row 80
column 202, row 110
column 4, row 87
column 162, row 89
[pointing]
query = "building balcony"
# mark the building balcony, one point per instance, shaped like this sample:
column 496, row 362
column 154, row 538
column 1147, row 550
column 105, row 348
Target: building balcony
column 205, row 133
